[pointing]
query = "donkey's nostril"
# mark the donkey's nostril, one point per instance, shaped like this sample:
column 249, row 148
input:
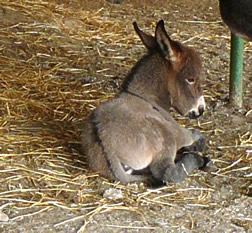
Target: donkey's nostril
column 201, row 109
column 193, row 115
column 196, row 113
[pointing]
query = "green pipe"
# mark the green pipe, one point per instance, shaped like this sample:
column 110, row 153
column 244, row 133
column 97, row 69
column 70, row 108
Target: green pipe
column 236, row 68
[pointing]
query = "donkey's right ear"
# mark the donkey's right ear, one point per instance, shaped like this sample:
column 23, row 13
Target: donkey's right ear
column 148, row 40
column 169, row 48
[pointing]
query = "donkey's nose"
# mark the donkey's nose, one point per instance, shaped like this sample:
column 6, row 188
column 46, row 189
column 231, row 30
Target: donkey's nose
column 195, row 114
column 198, row 110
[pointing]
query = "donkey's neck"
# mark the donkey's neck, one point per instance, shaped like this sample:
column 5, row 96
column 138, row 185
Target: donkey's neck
column 147, row 80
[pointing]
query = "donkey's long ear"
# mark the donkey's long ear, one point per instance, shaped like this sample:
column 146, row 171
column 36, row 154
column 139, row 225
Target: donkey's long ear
column 169, row 48
column 148, row 40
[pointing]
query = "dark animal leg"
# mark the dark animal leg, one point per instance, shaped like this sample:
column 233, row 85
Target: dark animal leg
column 184, row 167
column 181, row 169
column 199, row 144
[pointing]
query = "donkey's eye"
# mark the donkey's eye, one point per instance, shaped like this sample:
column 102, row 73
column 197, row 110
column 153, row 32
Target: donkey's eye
column 190, row 81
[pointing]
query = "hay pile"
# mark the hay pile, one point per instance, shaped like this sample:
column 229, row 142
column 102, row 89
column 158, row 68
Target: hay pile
column 58, row 61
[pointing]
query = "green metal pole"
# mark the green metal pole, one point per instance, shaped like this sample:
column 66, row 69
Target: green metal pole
column 236, row 68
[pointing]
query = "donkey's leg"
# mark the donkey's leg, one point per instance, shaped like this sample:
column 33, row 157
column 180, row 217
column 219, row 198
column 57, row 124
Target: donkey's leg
column 176, row 172
column 199, row 143
column 184, row 167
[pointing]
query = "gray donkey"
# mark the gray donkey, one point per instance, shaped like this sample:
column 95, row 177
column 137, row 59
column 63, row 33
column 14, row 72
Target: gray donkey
column 133, row 137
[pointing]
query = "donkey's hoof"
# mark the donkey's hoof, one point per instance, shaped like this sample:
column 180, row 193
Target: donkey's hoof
column 209, row 166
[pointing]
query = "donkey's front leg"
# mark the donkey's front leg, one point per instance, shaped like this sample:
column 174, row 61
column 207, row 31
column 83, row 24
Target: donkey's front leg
column 199, row 143
column 169, row 171
column 166, row 168
column 184, row 167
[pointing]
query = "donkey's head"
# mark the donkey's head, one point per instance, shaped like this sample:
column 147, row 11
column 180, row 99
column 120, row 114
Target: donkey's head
column 182, row 79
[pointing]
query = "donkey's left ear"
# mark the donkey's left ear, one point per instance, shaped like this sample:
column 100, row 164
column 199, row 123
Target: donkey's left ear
column 148, row 40
column 169, row 48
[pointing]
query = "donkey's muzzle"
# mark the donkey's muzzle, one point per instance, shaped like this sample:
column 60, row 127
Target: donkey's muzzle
column 194, row 114
column 198, row 108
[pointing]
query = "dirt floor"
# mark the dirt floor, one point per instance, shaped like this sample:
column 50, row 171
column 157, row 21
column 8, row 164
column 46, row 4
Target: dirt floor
column 58, row 61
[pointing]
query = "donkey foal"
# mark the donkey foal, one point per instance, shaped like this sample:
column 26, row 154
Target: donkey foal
column 133, row 136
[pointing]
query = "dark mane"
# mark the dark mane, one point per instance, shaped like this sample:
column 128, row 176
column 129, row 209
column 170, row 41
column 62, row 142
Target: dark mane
column 129, row 77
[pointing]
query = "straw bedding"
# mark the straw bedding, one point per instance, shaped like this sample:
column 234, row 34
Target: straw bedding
column 58, row 61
